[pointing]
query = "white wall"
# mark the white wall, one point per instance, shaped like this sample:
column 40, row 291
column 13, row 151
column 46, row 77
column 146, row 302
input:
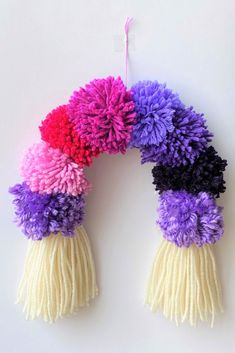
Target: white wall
column 48, row 49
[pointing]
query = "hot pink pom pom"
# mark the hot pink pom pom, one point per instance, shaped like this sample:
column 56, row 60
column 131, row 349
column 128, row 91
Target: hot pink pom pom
column 58, row 131
column 48, row 170
column 103, row 114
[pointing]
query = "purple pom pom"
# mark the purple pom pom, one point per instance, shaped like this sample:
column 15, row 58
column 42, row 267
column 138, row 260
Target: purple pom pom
column 188, row 219
column 39, row 215
column 184, row 144
column 155, row 106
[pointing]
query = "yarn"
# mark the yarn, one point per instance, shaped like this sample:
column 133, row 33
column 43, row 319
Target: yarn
column 103, row 114
column 187, row 219
column 58, row 131
column 205, row 174
column 39, row 215
column 155, row 106
column 105, row 117
column 58, row 278
column 184, row 285
column 183, row 144
column 48, row 170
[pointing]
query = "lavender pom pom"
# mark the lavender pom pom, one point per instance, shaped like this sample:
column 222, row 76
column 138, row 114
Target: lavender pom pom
column 205, row 174
column 187, row 219
column 155, row 106
column 39, row 215
column 184, row 144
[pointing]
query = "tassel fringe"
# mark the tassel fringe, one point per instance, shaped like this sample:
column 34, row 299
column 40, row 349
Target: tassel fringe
column 59, row 276
column 184, row 284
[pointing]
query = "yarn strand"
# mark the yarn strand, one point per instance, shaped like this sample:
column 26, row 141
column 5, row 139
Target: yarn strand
column 59, row 276
column 184, row 284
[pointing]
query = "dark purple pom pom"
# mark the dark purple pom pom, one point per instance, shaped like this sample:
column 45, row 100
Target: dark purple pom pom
column 39, row 215
column 206, row 174
column 188, row 219
column 182, row 145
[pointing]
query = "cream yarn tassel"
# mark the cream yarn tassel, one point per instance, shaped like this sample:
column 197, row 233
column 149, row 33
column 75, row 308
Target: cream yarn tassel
column 184, row 284
column 59, row 276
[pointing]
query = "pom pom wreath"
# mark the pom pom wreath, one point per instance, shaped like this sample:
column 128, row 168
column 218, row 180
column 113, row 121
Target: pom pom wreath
column 155, row 106
column 39, row 215
column 187, row 219
column 205, row 174
column 48, row 170
column 184, row 144
column 103, row 113
column 58, row 131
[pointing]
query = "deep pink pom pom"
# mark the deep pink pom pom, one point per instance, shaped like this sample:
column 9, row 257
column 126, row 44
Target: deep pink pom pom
column 48, row 170
column 103, row 114
column 58, row 131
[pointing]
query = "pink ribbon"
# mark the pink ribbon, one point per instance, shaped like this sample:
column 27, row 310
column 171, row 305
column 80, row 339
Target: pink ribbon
column 126, row 28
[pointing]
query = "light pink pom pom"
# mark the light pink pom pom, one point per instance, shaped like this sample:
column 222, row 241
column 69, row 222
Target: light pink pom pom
column 48, row 170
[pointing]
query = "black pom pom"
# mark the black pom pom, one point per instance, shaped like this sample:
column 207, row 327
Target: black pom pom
column 205, row 174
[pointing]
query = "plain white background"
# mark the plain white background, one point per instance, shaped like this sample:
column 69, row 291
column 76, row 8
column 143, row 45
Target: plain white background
column 48, row 49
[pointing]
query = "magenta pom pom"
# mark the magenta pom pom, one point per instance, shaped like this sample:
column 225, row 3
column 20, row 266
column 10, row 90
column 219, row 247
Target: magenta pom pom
column 103, row 114
column 48, row 170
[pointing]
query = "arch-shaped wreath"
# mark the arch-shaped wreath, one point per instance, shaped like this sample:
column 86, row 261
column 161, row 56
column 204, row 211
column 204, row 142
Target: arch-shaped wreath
column 106, row 117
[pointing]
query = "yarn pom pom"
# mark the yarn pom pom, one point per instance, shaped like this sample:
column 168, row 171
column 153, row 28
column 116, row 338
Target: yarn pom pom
column 184, row 144
column 58, row 131
column 103, row 113
column 155, row 106
column 39, row 215
column 205, row 174
column 48, row 170
column 187, row 219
